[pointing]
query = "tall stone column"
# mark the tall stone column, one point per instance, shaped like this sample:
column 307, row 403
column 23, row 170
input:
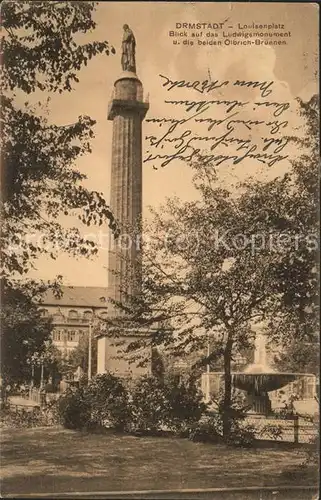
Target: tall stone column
column 127, row 111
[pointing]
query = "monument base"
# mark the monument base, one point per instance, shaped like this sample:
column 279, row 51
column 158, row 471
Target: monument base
column 113, row 355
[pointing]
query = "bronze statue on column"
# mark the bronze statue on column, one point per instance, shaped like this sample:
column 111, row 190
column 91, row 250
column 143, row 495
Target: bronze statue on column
column 128, row 50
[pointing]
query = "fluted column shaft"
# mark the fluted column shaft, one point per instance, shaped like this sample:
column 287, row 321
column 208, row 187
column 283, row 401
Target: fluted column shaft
column 127, row 112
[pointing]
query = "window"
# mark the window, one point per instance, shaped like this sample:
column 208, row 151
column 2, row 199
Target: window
column 44, row 313
column 58, row 318
column 57, row 335
column 72, row 315
column 72, row 336
column 87, row 316
column 103, row 315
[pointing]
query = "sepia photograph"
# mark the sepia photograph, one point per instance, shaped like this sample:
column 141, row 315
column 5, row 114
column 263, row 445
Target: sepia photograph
column 159, row 312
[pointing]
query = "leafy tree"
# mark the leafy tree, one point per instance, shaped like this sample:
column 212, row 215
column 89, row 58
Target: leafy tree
column 56, row 364
column 285, row 212
column 200, row 275
column 23, row 332
column 210, row 269
column 43, row 50
column 298, row 356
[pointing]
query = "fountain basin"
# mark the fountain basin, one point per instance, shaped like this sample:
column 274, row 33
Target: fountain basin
column 256, row 386
column 261, row 383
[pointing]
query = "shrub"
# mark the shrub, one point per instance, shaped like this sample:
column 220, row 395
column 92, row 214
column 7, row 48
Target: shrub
column 312, row 452
column 242, row 434
column 74, row 409
column 207, row 430
column 108, row 400
column 271, row 431
column 149, row 405
column 170, row 405
column 29, row 418
column 210, row 428
column 185, row 404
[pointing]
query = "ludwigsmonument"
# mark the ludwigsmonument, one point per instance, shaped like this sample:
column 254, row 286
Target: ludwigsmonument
column 127, row 110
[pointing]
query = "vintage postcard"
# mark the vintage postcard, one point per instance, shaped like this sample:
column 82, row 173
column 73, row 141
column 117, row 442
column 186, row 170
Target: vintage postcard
column 160, row 250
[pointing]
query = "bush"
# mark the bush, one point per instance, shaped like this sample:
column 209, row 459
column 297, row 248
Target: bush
column 171, row 405
column 271, row 431
column 149, row 406
column 74, row 409
column 153, row 405
column 241, row 435
column 210, row 430
column 210, row 427
column 108, row 400
column 186, row 405
column 23, row 418
column 207, row 430
column 312, row 452
column 103, row 403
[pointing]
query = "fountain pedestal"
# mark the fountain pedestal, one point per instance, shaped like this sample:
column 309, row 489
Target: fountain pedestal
column 257, row 380
column 259, row 403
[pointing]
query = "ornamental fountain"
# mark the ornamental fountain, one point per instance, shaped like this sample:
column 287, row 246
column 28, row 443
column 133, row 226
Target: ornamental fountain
column 257, row 380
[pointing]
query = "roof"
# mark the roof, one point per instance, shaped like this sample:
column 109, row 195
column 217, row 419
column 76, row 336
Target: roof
column 90, row 296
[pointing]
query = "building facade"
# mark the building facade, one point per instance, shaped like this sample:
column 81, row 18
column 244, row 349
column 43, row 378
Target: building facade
column 72, row 312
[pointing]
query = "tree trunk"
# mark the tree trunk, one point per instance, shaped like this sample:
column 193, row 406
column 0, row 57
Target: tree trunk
column 227, row 387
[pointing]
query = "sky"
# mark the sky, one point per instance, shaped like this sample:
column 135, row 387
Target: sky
column 292, row 67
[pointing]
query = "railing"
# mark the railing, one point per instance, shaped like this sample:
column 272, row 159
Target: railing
column 288, row 428
column 71, row 321
column 294, row 428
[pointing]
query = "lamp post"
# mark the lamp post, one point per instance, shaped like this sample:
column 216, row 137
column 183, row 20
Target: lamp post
column 89, row 350
column 41, row 373
column 207, row 386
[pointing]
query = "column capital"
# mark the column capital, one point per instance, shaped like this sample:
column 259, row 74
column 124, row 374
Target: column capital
column 118, row 106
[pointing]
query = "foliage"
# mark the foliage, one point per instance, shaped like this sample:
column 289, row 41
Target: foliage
column 301, row 357
column 242, row 432
column 185, row 403
column 79, row 355
column 46, row 55
column 29, row 418
column 210, row 429
column 58, row 364
column 23, row 332
column 288, row 208
column 206, row 288
column 74, row 409
column 108, row 400
column 271, row 431
column 102, row 403
column 207, row 430
column 43, row 50
column 211, row 270
column 157, row 362
column 39, row 179
column 312, row 453
column 169, row 404
column 149, row 405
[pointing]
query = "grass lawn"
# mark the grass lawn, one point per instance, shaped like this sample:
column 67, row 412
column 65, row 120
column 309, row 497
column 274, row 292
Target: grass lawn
column 57, row 460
